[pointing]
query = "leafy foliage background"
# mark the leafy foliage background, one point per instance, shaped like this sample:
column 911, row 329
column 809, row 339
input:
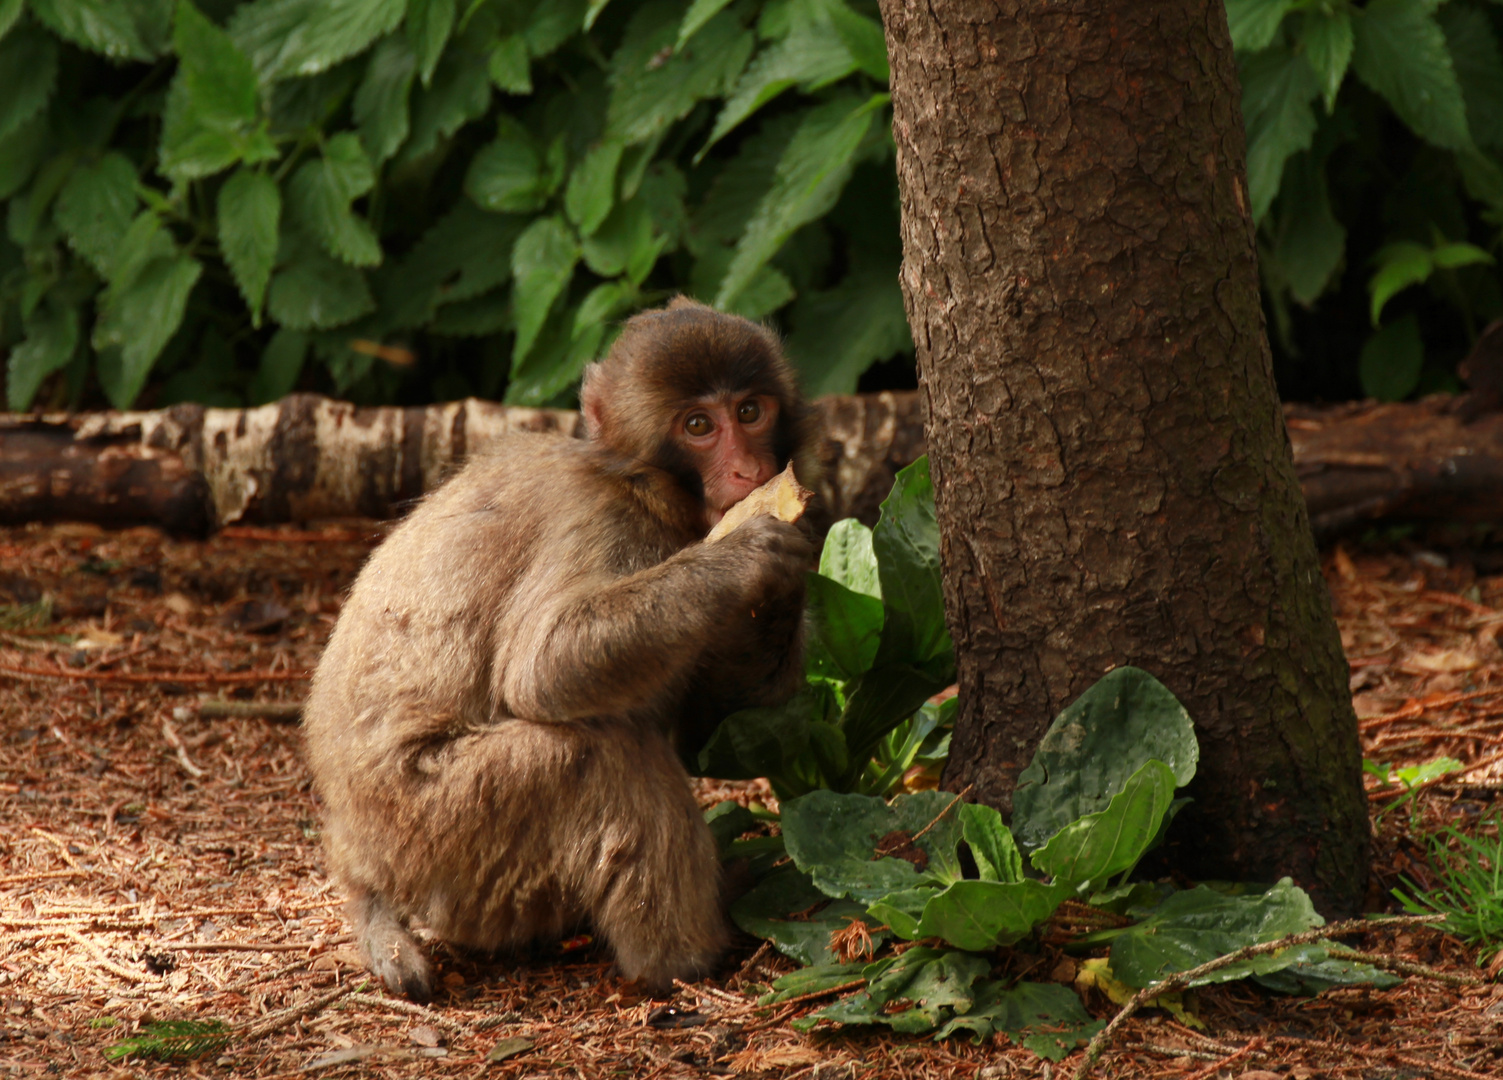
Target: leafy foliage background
column 420, row 199
column 414, row 200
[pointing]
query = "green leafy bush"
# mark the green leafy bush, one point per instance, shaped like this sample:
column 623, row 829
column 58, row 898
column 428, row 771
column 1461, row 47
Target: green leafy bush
column 878, row 649
column 200, row 197
column 1097, row 796
column 1375, row 174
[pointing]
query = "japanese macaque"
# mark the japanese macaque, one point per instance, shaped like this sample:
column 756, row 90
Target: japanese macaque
column 493, row 726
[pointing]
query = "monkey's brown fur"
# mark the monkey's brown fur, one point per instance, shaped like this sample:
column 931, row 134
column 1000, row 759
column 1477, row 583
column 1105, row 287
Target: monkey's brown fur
column 492, row 725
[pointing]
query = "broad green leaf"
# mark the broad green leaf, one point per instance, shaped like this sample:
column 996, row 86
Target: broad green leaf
column 935, row 984
column 28, row 76
column 996, row 855
column 813, row 169
column 1401, row 53
column 96, row 207
column 143, row 241
column 508, row 175
column 140, row 319
column 1400, row 265
column 1310, row 240
column 480, row 316
column 219, row 77
column 863, row 38
column 764, row 912
column 319, row 197
column 465, row 254
column 20, row 152
column 284, row 38
column 10, row 11
column 727, row 820
column 542, row 262
column 617, row 242
column 836, row 840
column 981, row 915
column 281, row 365
column 212, row 118
column 1253, row 23
column 1391, row 361
column 699, row 13
column 902, row 910
column 906, row 543
column 120, row 29
column 846, row 629
column 813, row 55
column 461, row 92
column 1316, row 977
column 556, row 361
column 814, row 979
column 839, row 333
column 1277, row 88
column 1198, row 925
column 250, row 219
column 733, row 197
column 884, row 696
column 312, row 291
column 1481, row 174
column 1452, row 256
column 592, row 186
column 1479, row 70
column 604, row 303
column 1094, row 746
column 848, row 558
column 510, row 66
column 428, row 25
column 381, row 103
column 1111, row 841
column 649, row 93
column 1326, row 34
column 761, row 742
column 192, row 149
column 552, row 24
column 593, row 12
column 1045, row 1017
column 51, row 338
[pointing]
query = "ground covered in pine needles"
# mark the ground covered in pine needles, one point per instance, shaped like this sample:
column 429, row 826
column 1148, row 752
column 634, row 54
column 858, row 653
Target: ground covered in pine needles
column 159, row 863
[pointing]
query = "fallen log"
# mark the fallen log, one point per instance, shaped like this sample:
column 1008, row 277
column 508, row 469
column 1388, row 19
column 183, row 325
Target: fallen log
column 192, row 469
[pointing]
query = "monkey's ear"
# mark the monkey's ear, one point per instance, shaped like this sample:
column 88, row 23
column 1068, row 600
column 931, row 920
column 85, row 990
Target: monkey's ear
column 590, row 400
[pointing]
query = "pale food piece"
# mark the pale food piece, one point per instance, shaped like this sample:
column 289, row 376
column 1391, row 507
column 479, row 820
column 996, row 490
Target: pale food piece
column 783, row 497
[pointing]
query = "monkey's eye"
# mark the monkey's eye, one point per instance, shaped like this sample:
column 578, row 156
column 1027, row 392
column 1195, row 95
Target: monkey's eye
column 749, row 412
column 699, row 424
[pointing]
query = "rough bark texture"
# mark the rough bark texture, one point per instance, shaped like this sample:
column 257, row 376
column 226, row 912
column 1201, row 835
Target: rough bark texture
column 1112, row 474
column 193, row 469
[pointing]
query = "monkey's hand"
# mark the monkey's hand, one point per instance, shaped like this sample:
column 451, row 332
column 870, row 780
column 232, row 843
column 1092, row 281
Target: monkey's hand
column 771, row 558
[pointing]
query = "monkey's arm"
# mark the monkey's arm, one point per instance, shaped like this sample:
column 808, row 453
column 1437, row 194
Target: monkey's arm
column 608, row 647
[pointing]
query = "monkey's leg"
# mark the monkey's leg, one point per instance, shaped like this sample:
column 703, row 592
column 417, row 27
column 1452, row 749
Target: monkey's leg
column 653, row 890
column 390, row 950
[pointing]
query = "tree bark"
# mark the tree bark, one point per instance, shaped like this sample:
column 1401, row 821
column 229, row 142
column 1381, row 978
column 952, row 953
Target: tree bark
column 1112, row 473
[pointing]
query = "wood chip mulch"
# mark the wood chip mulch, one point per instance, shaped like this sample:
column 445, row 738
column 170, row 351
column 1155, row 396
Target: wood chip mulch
column 158, row 864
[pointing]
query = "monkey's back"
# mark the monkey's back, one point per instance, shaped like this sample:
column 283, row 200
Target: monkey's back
column 407, row 734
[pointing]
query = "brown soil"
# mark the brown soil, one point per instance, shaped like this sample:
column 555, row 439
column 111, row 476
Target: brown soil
column 156, row 864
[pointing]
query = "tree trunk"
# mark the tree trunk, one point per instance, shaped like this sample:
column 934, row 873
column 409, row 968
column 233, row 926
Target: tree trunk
column 1112, row 472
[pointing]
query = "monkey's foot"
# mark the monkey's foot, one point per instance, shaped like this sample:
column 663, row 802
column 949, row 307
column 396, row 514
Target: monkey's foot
column 390, row 950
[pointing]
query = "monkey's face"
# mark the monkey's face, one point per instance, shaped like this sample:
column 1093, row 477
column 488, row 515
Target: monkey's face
column 730, row 440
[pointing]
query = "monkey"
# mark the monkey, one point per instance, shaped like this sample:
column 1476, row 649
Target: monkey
column 493, row 726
